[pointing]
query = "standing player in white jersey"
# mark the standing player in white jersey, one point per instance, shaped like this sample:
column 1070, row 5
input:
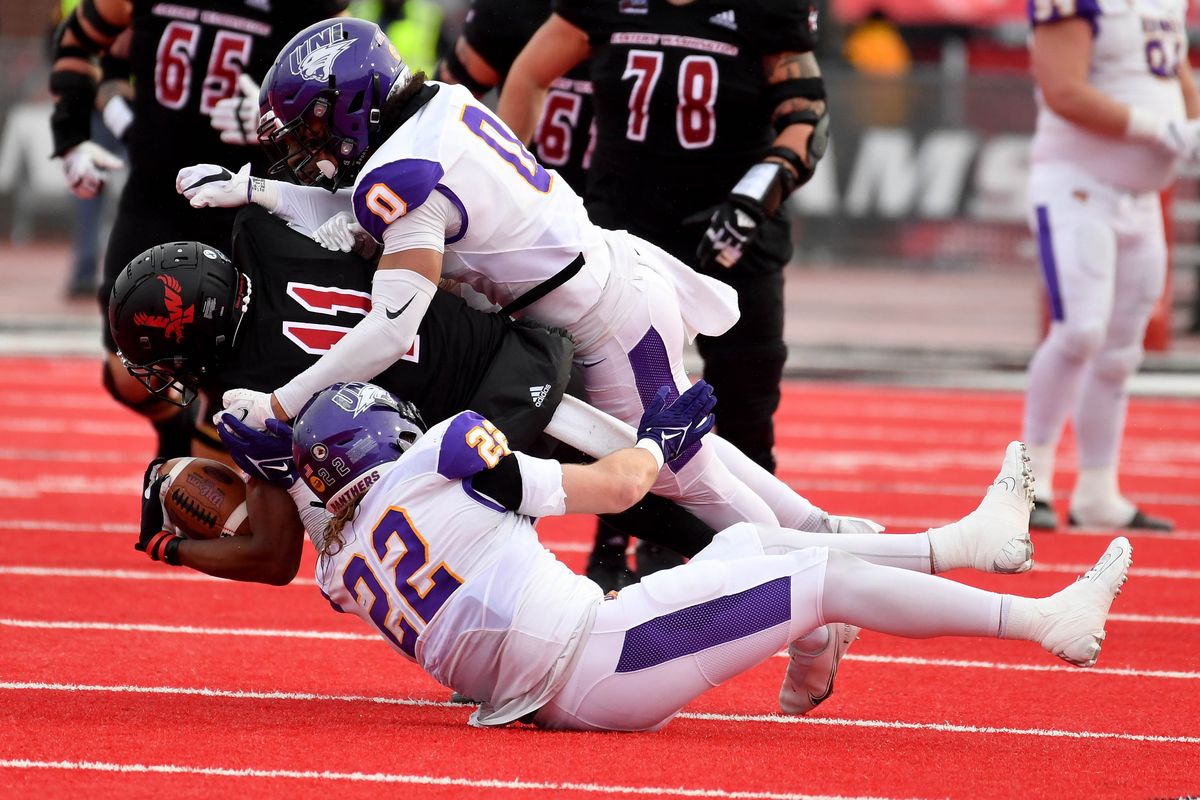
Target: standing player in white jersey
column 1117, row 107
column 450, row 192
column 431, row 542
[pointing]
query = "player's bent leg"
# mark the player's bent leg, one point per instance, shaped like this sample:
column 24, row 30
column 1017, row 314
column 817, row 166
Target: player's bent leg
column 677, row 634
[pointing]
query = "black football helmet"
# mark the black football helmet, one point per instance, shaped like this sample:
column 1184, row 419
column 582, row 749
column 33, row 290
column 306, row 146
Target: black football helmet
column 174, row 312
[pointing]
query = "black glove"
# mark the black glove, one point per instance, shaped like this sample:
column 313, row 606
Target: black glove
column 265, row 455
column 675, row 427
column 154, row 540
column 731, row 229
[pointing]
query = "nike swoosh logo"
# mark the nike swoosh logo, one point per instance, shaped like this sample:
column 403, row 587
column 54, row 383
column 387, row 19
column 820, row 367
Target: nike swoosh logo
column 1010, row 484
column 586, row 364
column 394, row 314
column 223, row 175
column 279, row 467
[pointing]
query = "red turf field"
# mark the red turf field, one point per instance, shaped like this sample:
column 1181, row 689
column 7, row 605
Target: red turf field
column 120, row 677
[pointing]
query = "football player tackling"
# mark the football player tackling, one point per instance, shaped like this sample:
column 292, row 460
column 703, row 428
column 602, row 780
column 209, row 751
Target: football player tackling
column 429, row 539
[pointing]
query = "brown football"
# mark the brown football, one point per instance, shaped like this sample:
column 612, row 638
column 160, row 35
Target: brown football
column 205, row 499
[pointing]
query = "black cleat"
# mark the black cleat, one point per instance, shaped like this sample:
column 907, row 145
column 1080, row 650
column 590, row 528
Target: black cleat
column 463, row 700
column 1139, row 522
column 1043, row 517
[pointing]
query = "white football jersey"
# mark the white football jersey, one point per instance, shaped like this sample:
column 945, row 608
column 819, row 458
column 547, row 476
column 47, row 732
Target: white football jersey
column 520, row 223
column 1137, row 46
column 457, row 583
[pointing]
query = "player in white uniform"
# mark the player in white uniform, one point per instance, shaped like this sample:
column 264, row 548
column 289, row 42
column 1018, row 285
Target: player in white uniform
column 1116, row 114
column 450, row 192
column 432, row 543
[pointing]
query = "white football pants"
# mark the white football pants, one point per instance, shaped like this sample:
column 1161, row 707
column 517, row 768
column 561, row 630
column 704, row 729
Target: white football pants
column 1103, row 257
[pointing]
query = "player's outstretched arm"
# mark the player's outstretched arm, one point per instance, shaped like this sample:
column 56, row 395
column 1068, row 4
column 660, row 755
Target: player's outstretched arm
column 551, row 53
column 88, row 31
column 668, row 431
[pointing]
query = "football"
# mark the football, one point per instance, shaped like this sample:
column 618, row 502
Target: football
column 205, row 499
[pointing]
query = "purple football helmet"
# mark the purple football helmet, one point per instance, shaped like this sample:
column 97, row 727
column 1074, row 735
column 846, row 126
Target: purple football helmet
column 345, row 433
column 327, row 90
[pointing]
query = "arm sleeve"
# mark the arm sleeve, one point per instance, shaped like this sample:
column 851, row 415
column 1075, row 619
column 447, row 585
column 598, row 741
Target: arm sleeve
column 542, row 493
column 429, row 226
column 399, row 299
column 306, row 208
column 314, row 517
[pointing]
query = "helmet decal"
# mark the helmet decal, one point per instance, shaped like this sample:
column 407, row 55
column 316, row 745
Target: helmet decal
column 177, row 315
column 313, row 59
column 357, row 398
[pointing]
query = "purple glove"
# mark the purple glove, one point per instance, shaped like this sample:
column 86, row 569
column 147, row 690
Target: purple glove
column 267, row 455
column 675, row 427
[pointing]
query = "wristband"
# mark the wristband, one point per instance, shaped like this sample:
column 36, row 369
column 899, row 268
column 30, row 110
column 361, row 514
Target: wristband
column 263, row 192
column 1143, row 124
column 652, row 447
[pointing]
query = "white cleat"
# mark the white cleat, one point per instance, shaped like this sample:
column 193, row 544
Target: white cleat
column 1072, row 620
column 809, row 678
column 995, row 536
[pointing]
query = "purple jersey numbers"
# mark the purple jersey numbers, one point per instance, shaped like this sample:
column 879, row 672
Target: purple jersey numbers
column 507, row 146
column 1164, row 46
column 1042, row 11
column 470, row 445
column 395, row 539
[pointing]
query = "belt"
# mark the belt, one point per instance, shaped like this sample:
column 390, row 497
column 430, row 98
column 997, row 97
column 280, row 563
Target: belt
column 545, row 287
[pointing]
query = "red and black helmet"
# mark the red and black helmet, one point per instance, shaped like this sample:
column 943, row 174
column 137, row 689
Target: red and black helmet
column 174, row 312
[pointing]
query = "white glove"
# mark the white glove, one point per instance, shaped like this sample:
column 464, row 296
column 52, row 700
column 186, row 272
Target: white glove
column 208, row 185
column 338, row 232
column 236, row 118
column 86, row 166
column 1180, row 137
column 251, row 407
column 342, row 232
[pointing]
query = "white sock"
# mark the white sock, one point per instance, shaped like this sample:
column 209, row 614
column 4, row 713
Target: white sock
column 910, row 551
column 1041, row 463
column 1023, row 620
column 1097, row 498
column 791, row 509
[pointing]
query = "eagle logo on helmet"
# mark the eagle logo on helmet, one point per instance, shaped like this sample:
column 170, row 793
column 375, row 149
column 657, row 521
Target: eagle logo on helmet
column 177, row 315
column 313, row 59
column 358, row 397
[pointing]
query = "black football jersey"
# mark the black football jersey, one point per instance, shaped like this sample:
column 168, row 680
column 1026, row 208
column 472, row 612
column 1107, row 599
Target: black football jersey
column 185, row 56
column 498, row 30
column 680, row 96
column 304, row 299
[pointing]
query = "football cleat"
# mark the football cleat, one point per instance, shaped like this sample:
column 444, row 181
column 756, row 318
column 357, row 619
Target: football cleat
column 1140, row 522
column 1043, row 517
column 1072, row 620
column 808, row 681
column 995, row 536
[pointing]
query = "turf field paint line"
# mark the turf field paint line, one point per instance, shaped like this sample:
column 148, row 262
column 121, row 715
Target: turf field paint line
column 943, row 727
column 420, row 780
column 763, row 718
column 187, row 629
column 960, row 663
column 127, row 627
column 128, row 575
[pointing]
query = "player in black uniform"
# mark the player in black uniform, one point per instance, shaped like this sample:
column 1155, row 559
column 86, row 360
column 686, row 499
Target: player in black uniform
column 188, row 324
column 494, row 33
column 492, row 38
column 185, row 57
column 699, row 106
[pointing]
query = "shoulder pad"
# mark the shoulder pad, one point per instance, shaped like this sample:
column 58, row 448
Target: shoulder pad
column 469, row 445
column 391, row 190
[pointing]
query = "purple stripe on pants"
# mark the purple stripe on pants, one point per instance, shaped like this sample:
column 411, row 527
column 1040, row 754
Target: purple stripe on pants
column 1049, row 268
column 708, row 624
column 651, row 371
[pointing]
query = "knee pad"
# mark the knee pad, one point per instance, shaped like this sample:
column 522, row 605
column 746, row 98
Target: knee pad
column 736, row 541
column 1077, row 342
column 1118, row 365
